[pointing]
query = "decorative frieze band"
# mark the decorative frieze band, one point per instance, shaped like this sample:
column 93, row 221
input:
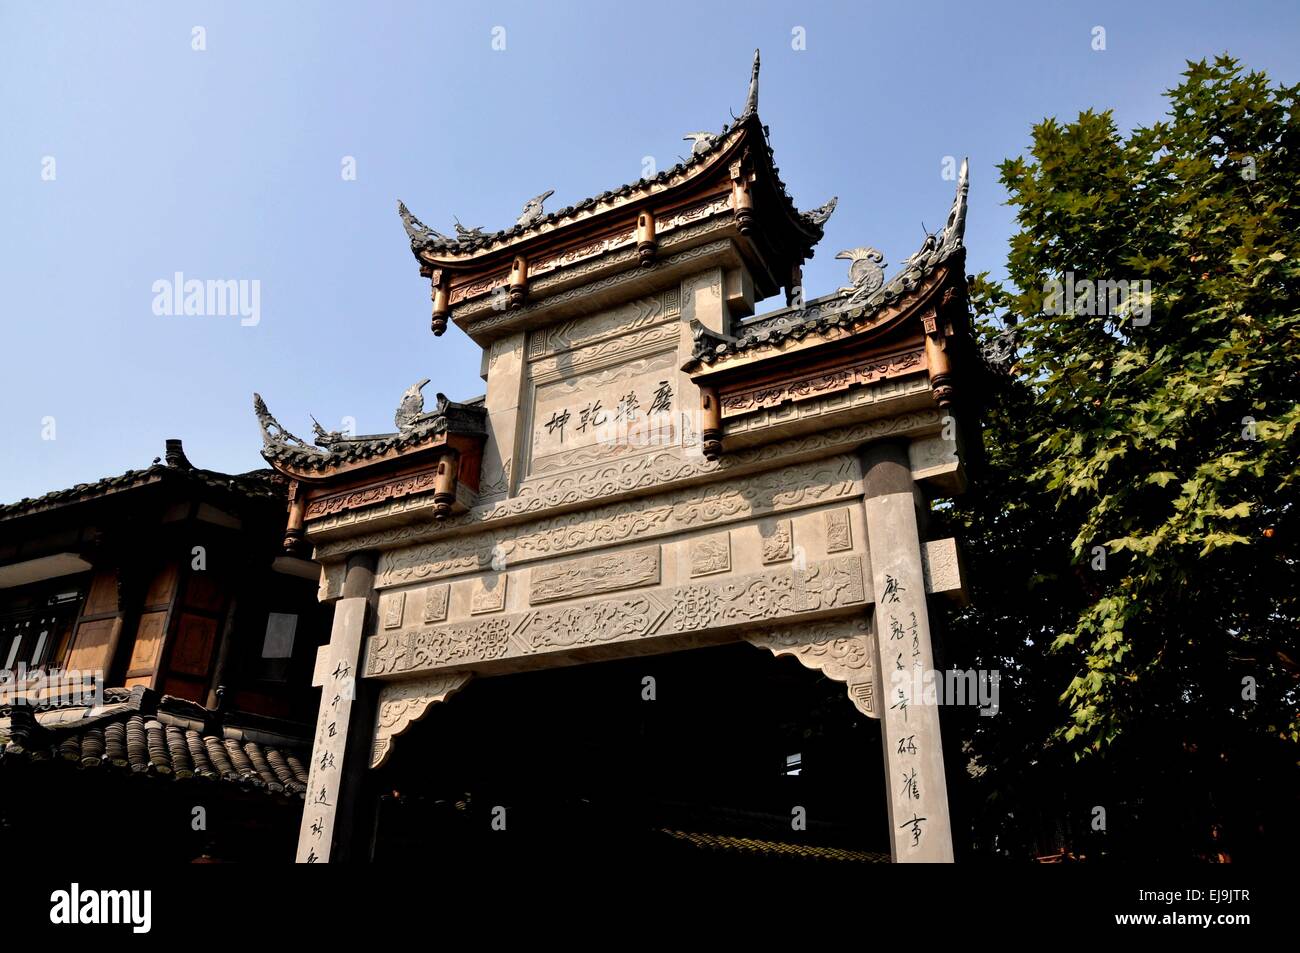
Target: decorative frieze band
column 810, row 484
column 713, row 606
column 622, row 477
column 867, row 372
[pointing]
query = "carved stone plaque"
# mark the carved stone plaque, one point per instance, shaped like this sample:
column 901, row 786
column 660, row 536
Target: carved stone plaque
column 778, row 546
column 594, row 574
column 838, row 535
column 435, row 603
column 394, row 603
column 488, row 595
column 710, row 554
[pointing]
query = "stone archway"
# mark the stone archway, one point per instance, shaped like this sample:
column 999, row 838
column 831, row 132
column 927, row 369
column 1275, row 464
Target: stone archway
column 653, row 756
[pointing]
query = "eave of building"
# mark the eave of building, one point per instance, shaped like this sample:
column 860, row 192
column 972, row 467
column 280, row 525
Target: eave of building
column 694, row 175
column 372, row 464
column 873, row 328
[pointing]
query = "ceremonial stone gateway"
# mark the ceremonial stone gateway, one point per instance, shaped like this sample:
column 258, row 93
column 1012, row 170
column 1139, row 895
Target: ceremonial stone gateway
column 652, row 468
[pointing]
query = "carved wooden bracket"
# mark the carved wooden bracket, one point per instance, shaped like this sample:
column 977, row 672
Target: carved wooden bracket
column 441, row 286
column 403, row 703
column 647, row 246
column 295, row 541
column 841, row 651
column 742, row 177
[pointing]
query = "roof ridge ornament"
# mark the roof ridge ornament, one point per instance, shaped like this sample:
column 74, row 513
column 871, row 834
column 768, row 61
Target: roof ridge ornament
column 822, row 213
column 866, row 276
column 274, row 435
column 418, row 232
column 703, row 142
column 751, row 101
column 464, row 234
column 533, row 211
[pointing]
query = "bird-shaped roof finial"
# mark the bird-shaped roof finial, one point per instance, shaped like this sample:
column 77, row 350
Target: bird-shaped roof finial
column 703, row 141
column 533, row 208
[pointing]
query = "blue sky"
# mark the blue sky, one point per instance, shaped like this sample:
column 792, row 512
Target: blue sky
column 226, row 163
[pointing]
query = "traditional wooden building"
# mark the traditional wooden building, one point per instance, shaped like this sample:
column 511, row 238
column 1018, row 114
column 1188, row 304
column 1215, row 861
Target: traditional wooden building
column 660, row 480
column 155, row 655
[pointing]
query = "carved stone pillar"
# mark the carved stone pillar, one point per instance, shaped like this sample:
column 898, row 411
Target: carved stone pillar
column 916, row 793
column 333, row 816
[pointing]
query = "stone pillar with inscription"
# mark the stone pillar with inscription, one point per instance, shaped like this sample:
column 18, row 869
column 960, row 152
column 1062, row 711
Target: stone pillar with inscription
column 916, row 790
column 333, row 815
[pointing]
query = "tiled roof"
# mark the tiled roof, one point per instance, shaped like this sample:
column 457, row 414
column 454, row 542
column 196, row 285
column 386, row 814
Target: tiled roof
column 424, row 238
column 776, row 849
column 264, row 483
column 130, row 736
column 333, row 449
column 844, row 308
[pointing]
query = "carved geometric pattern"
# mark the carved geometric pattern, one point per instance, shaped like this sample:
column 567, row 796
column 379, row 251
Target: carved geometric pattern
column 403, row 703
column 840, row 650
column 838, row 535
column 830, row 585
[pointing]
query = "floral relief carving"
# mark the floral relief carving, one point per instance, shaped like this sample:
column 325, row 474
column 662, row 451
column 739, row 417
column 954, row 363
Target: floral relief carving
column 403, row 703
column 841, row 650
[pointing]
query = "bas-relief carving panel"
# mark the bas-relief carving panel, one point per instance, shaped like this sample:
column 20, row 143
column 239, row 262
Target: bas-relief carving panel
column 778, row 545
column 640, row 474
column 593, row 575
column 809, row 484
column 710, row 554
column 706, row 605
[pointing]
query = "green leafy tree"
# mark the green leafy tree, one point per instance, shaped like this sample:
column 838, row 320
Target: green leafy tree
column 1137, row 517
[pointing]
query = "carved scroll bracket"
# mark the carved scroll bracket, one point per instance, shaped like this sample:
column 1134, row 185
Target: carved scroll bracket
column 403, row 703
column 841, row 651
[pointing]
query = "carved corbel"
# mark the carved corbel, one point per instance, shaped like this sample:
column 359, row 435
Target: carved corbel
column 441, row 291
column 295, row 537
column 710, row 423
column 518, row 282
column 938, row 363
column 742, row 198
column 403, row 703
column 444, row 484
column 842, row 651
column 647, row 246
